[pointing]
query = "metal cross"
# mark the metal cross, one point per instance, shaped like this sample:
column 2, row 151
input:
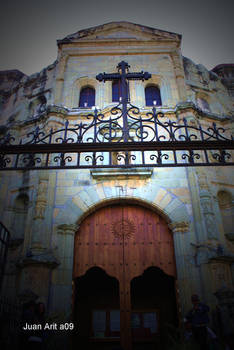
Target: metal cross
column 123, row 75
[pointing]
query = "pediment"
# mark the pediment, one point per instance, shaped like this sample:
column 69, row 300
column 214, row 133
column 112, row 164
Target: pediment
column 121, row 31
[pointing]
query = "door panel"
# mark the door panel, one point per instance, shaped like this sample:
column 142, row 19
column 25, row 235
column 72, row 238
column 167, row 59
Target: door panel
column 124, row 240
column 129, row 234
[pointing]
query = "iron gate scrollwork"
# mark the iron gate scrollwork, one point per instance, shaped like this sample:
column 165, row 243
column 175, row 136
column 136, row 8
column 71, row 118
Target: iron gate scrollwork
column 122, row 137
column 152, row 140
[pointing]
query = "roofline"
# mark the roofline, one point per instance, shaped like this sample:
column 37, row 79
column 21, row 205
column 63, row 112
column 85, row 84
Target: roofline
column 222, row 65
column 68, row 40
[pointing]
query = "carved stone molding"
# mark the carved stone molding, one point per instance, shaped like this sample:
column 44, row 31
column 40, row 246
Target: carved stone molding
column 202, row 180
column 67, row 229
column 212, row 251
column 46, row 258
column 41, row 200
column 180, row 226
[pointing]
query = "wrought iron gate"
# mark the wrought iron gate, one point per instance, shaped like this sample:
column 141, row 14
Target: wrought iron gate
column 122, row 137
column 104, row 141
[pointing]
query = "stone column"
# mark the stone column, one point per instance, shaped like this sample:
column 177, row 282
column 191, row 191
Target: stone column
column 207, row 206
column 61, row 300
column 184, row 273
column 39, row 259
column 60, row 79
column 39, row 226
column 179, row 74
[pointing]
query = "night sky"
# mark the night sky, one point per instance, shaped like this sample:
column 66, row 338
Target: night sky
column 30, row 28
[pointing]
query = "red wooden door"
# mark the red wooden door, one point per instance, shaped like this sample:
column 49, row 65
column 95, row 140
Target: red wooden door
column 124, row 240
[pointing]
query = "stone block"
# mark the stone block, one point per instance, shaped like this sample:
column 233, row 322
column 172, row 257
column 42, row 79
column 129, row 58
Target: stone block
column 183, row 194
column 64, row 183
column 161, row 193
column 165, row 201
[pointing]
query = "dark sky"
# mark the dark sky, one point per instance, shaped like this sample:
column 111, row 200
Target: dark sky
column 30, row 28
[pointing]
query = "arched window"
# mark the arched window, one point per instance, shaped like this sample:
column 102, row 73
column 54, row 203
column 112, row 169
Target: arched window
column 87, row 97
column 116, row 91
column 203, row 104
column 152, row 93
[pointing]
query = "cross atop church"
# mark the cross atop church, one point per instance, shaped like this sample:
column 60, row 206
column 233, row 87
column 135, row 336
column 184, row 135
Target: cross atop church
column 123, row 75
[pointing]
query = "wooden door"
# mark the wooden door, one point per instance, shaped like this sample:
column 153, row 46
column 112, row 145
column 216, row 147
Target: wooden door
column 124, row 240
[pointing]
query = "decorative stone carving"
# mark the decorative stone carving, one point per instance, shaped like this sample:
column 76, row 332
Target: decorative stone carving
column 181, row 226
column 221, row 275
column 202, row 180
column 206, row 204
column 211, row 251
column 41, row 200
column 67, row 229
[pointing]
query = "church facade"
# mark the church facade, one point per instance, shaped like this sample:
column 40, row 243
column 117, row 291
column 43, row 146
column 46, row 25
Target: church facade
column 106, row 241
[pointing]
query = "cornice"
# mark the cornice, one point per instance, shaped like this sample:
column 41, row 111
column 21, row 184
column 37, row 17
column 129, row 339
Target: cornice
column 67, row 229
column 63, row 111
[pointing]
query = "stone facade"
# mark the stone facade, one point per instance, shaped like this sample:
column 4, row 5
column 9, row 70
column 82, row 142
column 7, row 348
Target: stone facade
column 49, row 205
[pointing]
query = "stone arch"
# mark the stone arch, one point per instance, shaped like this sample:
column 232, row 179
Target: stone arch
column 157, row 95
column 155, row 80
column 164, row 86
column 224, row 198
column 77, row 86
column 111, row 201
column 80, row 204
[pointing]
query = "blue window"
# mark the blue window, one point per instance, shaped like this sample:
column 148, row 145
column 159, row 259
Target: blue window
column 87, row 97
column 152, row 93
column 116, row 90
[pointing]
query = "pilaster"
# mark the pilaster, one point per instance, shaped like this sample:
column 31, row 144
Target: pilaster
column 62, row 276
column 60, row 79
column 39, row 224
column 180, row 230
column 179, row 74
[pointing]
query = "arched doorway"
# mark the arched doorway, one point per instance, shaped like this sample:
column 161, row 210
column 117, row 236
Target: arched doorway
column 95, row 305
column 153, row 309
column 123, row 240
